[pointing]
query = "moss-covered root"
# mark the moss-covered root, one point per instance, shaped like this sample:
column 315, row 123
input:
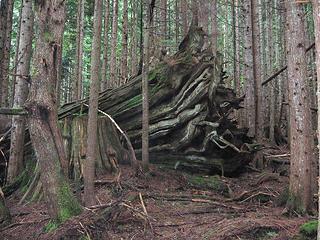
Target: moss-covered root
column 5, row 217
column 67, row 203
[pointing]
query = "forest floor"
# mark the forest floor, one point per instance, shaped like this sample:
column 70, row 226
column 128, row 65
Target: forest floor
column 173, row 205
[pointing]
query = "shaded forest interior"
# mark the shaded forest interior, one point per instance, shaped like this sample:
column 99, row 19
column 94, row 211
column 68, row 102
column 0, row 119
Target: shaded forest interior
column 165, row 119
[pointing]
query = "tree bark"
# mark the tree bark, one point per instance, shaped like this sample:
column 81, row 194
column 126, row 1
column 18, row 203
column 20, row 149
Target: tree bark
column 104, row 67
column 316, row 17
column 44, row 132
column 257, row 70
column 89, row 167
column 214, row 27
column 5, row 47
column 301, row 142
column 77, row 82
column 124, row 57
column 248, row 65
column 145, row 87
column 184, row 16
column 113, row 55
column 21, row 90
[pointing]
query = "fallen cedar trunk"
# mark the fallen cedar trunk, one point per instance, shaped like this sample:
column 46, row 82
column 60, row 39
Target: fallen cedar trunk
column 190, row 125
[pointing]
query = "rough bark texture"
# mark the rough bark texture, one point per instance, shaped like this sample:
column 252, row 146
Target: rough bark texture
column 184, row 16
column 21, row 90
column 316, row 17
column 301, row 144
column 248, row 65
column 43, row 126
column 89, row 166
column 5, row 46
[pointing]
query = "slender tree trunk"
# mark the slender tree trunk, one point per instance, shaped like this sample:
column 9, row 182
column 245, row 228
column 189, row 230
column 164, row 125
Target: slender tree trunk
column 134, row 39
column 43, row 125
column 257, row 70
column 316, row 17
column 124, row 59
column 21, row 90
column 301, row 141
column 5, row 51
column 214, row 27
column 89, row 166
column 248, row 71
column 184, row 16
column 77, row 82
column 104, row 67
column 145, row 87
column 164, row 24
column 114, row 38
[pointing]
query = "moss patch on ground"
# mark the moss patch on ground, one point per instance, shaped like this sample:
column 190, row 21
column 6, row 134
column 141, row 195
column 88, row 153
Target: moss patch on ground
column 208, row 183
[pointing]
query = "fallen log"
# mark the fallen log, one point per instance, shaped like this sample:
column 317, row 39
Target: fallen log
column 191, row 124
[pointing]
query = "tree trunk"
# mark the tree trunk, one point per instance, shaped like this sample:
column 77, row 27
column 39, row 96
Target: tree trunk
column 248, row 65
column 301, row 141
column 21, row 90
column 316, row 17
column 214, row 27
column 114, row 38
column 184, row 16
column 124, row 58
column 89, row 167
column 44, row 132
column 163, row 24
column 77, row 82
column 104, row 67
column 257, row 70
column 5, row 47
column 5, row 217
column 145, row 87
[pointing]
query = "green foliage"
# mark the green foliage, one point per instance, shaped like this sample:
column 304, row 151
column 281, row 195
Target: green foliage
column 309, row 229
column 68, row 204
column 51, row 226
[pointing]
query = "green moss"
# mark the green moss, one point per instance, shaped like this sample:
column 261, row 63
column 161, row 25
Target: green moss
column 48, row 36
column 309, row 229
column 68, row 204
column 212, row 182
column 51, row 226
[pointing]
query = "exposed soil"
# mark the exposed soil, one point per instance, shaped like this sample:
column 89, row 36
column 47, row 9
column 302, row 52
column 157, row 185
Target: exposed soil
column 178, row 206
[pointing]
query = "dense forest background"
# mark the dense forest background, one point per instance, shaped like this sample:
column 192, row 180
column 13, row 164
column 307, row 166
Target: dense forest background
column 209, row 87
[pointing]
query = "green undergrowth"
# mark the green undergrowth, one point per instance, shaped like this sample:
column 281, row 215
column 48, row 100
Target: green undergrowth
column 308, row 230
column 208, row 183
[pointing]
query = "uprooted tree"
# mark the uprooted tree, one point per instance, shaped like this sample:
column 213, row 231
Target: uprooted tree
column 191, row 123
column 191, row 118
